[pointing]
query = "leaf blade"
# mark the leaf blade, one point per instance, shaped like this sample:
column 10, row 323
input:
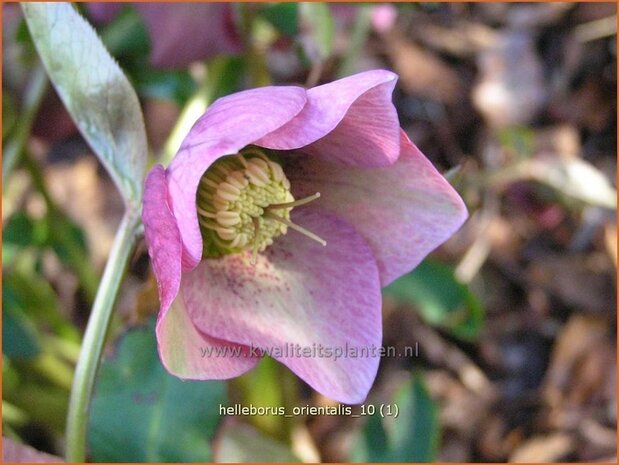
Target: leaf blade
column 95, row 91
column 141, row 413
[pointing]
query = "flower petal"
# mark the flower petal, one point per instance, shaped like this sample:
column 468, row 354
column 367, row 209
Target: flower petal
column 231, row 123
column 186, row 32
column 404, row 211
column 351, row 120
column 301, row 293
column 162, row 236
column 189, row 354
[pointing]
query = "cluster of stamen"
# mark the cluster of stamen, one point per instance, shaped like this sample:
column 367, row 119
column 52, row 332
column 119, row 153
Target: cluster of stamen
column 244, row 203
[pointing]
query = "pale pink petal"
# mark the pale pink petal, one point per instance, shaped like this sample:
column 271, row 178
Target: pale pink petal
column 230, row 124
column 162, row 236
column 299, row 293
column 189, row 354
column 404, row 211
column 351, row 120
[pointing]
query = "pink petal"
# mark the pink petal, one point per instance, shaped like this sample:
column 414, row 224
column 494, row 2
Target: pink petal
column 181, row 345
column 299, row 293
column 189, row 354
column 404, row 211
column 181, row 33
column 162, row 236
column 230, row 124
column 351, row 120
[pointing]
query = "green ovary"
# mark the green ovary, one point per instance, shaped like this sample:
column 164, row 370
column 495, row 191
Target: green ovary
column 244, row 203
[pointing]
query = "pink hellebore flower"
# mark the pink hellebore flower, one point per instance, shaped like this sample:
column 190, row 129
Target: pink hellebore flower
column 241, row 264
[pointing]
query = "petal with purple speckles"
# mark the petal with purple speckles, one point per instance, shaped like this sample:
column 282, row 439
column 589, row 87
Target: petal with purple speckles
column 299, row 293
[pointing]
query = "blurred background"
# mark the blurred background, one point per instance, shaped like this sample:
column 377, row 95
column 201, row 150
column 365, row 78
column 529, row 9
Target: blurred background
column 513, row 320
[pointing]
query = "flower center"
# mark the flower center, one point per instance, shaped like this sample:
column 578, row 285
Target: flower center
column 244, row 203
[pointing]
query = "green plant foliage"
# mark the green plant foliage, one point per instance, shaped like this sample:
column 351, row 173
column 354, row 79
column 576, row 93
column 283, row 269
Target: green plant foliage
column 21, row 231
column 54, row 230
column 9, row 113
column 127, row 40
column 19, row 335
column 28, row 293
column 140, row 413
column 176, row 86
column 283, row 16
column 97, row 94
column 440, row 299
column 411, row 437
column 127, row 36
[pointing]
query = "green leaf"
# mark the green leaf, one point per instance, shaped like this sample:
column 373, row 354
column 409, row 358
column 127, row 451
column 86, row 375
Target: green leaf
column 283, row 16
column 416, row 431
column 127, row 35
column 239, row 443
column 95, row 91
column 32, row 295
column 317, row 30
column 9, row 112
column 64, row 234
column 174, row 85
column 412, row 436
column 440, row 299
column 373, row 445
column 19, row 335
column 140, row 413
column 22, row 231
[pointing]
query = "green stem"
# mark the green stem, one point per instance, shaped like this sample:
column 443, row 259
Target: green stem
column 254, row 57
column 94, row 338
column 61, row 224
column 32, row 100
column 194, row 108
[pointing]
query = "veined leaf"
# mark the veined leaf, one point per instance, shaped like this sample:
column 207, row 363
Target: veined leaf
column 95, row 91
column 141, row 413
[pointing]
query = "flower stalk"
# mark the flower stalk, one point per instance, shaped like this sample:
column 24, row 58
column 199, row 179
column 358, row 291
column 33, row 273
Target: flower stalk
column 94, row 338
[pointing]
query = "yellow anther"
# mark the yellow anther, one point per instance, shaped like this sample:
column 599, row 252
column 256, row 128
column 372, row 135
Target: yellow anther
column 237, row 200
